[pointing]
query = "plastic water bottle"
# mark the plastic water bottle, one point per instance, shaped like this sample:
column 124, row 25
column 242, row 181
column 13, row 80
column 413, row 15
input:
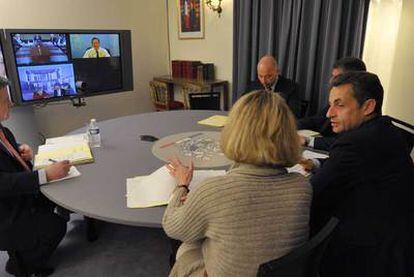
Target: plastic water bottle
column 94, row 134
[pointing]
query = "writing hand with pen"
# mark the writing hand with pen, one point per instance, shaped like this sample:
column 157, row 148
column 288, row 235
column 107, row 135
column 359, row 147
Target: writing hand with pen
column 57, row 170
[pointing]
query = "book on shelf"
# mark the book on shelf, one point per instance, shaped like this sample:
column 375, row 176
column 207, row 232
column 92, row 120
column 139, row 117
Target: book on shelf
column 192, row 70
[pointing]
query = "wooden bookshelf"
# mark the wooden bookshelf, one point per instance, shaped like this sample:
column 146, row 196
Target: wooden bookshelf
column 210, row 85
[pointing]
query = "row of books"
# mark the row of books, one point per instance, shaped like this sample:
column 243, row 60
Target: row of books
column 192, row 70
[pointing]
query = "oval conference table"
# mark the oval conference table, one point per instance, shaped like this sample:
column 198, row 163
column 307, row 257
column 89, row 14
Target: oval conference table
column 100, row 192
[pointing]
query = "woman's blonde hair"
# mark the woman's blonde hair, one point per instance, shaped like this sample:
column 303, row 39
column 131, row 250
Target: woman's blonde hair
column 261, row 130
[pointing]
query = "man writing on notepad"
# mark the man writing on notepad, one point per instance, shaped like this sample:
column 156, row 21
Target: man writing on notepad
column 28, row 227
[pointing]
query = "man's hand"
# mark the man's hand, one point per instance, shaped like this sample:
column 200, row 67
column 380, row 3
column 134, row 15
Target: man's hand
column 307, row 165
column 302, row 140
column 26, row 152
column 182, row 174
column 57, row 170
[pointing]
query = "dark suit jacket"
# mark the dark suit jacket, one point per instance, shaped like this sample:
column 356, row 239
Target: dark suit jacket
column 18, row 191
column 367, row 182
column 319, row 123
column 287, row 88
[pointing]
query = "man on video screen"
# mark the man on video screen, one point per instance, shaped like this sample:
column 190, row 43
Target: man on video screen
column 96, row 51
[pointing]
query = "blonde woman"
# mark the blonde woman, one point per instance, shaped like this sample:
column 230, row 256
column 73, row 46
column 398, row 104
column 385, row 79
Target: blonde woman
column 257, row 212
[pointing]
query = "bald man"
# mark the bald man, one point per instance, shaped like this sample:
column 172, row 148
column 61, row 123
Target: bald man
column 269, row 78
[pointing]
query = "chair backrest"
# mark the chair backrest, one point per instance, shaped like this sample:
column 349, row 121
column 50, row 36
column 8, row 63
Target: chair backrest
column 303, row 261
column 304, row 108
column 159, row 94
column 188, row 89
column 407, row 131
column 204, row 101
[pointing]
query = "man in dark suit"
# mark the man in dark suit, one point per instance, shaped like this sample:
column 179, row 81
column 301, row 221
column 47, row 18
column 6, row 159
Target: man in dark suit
column 269, row 78
column 28, row 226
column 320, row 122
column 367, row 182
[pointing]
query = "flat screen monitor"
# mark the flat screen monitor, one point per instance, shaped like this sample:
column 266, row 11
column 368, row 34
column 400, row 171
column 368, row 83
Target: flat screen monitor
column 47, row 64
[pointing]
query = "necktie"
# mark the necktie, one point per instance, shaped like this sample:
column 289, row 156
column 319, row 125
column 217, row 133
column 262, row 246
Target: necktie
column 97, row 54
column 13, row 151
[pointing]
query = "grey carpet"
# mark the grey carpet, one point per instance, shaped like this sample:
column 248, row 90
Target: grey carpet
column 119, row 251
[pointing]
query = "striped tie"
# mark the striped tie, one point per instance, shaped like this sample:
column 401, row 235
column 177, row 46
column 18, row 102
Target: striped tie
column 13, row 151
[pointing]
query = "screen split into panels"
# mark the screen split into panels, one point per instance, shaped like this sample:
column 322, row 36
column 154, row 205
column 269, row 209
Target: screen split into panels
column 50, row 65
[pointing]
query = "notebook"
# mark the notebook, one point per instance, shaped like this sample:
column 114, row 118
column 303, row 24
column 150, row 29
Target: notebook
column 75, row 152
column 214, row 121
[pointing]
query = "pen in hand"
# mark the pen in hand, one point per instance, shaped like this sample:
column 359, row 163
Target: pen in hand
column 53, row 161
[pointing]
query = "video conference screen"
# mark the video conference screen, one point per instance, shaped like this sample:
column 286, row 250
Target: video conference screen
column 46, row 81
column 94, row 45
column 97, row 60
column 32, row 49
column 50, row 63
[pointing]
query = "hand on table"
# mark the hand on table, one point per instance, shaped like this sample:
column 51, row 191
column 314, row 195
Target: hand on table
column 307, row 165
column 57, row 170
column 302, row 140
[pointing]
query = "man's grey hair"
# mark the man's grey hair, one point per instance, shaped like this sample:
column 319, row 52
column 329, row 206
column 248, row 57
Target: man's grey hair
column 3, row 82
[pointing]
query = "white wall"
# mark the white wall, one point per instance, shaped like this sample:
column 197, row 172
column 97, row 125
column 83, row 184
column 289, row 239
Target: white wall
column 217, row 45
column 147, row 21
column 380, row 39
column 388, row 53
column 400, row 103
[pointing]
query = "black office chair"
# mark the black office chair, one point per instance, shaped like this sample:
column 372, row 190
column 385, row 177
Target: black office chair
column 303, row 261
column 304, row 108
column 204, row 101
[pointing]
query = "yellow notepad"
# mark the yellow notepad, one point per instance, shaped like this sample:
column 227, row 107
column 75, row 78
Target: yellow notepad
column 76, row 153
column 215, row 121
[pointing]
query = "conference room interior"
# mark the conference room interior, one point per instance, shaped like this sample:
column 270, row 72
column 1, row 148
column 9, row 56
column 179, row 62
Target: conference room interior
column 386, row 33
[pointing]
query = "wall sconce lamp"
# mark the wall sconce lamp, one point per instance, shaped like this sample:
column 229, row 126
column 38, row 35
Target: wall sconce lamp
column 215, row 7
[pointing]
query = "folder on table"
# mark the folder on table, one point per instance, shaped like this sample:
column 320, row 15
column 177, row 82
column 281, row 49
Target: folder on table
column 156, row 189
column 214, row 121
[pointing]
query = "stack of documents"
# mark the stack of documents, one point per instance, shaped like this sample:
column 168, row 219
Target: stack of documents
column 73, row 148
column 68, row 139
column 156, row 189
column 214, row 121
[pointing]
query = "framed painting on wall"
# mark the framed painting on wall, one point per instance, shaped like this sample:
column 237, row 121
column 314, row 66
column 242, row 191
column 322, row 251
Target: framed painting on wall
column 190, row 19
